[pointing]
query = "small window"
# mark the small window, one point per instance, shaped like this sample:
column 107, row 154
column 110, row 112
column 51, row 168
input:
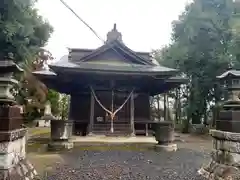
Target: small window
column 235, row 82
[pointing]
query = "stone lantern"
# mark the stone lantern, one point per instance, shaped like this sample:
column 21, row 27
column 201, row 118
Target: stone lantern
column 228, row 118
column 12, row 134
column 225, row 160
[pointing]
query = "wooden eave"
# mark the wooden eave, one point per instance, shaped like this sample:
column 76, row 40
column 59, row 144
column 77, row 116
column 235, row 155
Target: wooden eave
column 234, row 73
column 113, row 70
column 177, row 80
column 68, row 86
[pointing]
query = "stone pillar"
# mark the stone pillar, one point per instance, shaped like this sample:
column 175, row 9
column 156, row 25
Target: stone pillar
column 132, row 114
column 13, row 162
column 91, row 120
column 225, row 159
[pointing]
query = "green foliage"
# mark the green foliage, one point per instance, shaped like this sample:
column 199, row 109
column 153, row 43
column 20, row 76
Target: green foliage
column 65, row 99
column 204, row 44
column 54, row 98
column 22, row 30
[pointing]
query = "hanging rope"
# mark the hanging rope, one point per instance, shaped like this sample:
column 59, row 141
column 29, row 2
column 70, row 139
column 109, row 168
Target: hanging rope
column 112, row 113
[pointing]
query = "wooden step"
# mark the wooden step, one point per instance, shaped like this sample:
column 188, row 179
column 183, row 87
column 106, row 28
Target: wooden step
column 119, row 129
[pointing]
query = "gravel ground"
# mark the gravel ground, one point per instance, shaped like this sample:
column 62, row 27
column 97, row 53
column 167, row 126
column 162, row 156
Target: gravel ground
column 130, row 165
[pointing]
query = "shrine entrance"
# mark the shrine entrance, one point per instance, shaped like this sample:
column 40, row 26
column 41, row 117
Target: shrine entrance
column 112, row 111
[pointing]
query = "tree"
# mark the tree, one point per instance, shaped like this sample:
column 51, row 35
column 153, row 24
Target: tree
column 23, row 33
column 202, row 48
column 22, row 30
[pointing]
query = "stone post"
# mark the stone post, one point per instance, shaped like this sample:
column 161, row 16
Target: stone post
column 13, row 162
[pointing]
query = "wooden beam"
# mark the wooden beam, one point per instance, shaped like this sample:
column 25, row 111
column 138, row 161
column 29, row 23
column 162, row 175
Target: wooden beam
column 132, row 114
column 146, row 132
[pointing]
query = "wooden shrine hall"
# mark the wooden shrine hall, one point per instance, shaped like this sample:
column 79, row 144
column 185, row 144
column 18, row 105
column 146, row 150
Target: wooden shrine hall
column 110, row 87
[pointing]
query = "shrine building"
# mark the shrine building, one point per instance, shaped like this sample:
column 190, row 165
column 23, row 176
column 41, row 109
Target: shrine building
column 110, row 87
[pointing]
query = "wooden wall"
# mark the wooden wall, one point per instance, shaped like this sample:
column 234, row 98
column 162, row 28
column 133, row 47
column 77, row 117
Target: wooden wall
column 80, row 108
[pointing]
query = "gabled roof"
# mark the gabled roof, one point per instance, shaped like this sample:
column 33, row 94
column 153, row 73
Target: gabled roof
column 89, row 61
column 65, row 64
column 77, row 54
column 117, row 46
column 228, row 73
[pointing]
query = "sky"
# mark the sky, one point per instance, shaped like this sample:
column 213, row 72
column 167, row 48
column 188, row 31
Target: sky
column 145, row 24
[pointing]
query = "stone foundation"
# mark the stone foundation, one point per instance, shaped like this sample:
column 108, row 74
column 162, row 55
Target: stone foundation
column 225, row 158
column 168, row 147
column 13, row 162
column 60, row 145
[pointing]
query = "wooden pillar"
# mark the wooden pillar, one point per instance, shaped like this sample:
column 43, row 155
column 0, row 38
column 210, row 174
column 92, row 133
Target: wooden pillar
column 158, row 108
column 132, row 114
column 146, row 131
column 165, row 107
column 91, row 122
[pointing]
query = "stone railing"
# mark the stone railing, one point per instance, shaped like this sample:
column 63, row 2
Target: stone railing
column 225, row 160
